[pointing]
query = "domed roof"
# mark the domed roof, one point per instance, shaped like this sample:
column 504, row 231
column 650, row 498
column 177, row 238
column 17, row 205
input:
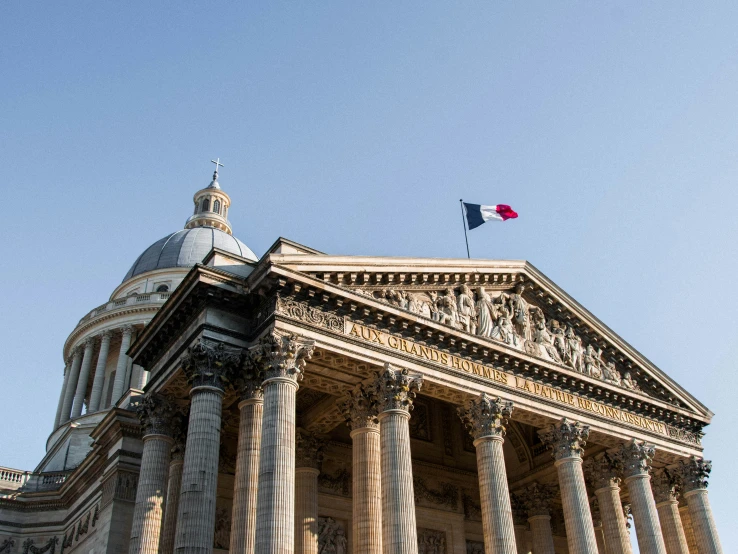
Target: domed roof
column 186, row 248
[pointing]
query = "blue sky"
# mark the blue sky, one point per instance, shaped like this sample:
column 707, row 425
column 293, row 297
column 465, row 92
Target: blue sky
column 355, row 128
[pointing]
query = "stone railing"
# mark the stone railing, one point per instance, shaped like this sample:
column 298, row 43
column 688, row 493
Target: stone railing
column 13, row 479
column 132, row 300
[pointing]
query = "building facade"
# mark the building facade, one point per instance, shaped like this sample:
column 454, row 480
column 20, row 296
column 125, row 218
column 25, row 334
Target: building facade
column 314, row 404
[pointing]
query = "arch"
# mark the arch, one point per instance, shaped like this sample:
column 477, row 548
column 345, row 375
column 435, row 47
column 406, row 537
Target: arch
column 216, row 206
column 162, row 288
column 206, row 205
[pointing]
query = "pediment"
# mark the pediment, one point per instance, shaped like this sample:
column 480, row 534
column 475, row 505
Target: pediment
column 509, row 304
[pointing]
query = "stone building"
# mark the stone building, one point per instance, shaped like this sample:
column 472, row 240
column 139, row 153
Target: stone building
column 318, row 404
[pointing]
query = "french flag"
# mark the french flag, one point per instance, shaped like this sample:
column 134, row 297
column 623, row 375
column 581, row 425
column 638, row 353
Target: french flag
column 477, row 214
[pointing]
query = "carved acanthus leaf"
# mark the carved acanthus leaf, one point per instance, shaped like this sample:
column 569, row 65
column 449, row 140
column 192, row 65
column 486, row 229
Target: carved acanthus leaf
column 566, row 439
column 395, row 388
column 693, row 474
column 211, row 364
column 486, row 416
column 282, row 355
column 635, row 457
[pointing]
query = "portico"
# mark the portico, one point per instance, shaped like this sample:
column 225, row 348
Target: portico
column 424, row 429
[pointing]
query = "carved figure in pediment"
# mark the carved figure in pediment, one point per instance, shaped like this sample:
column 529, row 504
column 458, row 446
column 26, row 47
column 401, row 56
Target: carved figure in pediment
column 487, row 313
column 574, row 349
column 467, row 312
column 446, row 310
column 610, row 374
column 504, row 330
column 519, row 313
column 559, row 340
column 628, row 382
column 419, row 303
column 541, row 333
column 591, row 362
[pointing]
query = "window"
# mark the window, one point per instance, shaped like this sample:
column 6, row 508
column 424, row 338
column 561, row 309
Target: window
column 216, row 206
column 162, row 288
column 206, row 205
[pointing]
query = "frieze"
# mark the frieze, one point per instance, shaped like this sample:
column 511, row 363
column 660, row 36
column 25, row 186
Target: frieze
column 302, row 312
column 431, row 541
column 472, row 509
column 50, row 546
column 501, row 377
column 509, row 318
column 7, row 545
column 338, row 482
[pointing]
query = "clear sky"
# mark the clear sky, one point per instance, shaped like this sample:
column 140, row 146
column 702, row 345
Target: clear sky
column 355, row 128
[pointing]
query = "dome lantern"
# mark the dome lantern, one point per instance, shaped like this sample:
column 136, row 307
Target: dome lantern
column 211, row 206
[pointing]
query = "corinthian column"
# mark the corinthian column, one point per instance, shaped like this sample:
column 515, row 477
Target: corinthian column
column 251, row 406
column 395, row 390
column 486, row 418
column 537, row 500
column 99, row 379
column 84, row 377
column 635, row 458
column 71, row 385
column 308, row 460
column 283, row 359
column 594, row 507
column 687, row 524
column 208, row 366
column 567, row 439
column 603, row 473
column 360, row 412
column 693, row 477
column 665, row 495
column 156, row 415
column 120, row 369
column 520, row 524
column 58, row 417
column 174, row 488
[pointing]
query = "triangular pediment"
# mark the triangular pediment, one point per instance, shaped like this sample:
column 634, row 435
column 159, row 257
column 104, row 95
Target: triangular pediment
column 505, row 304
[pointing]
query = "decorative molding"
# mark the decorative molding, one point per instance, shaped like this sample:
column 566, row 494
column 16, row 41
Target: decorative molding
column 339, row 482
column 50, row 547
column 7, row 545
column 121, row 485
column 447, row 496
column 359, row 408
column 693, row 474
column 211, row 364
column 636, row 457
column 282, row 355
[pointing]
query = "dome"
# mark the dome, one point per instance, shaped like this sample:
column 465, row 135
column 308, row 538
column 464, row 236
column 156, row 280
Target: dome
column 186, row 248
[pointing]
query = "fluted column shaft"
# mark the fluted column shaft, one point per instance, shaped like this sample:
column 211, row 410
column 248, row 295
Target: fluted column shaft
column 120, row 370
column 62, row 395
column 600, row 538
column 540, row 528
column 275, row 512
column 520, row 539
column 196, row 514
column 399, row 532
column 99, row 379
column 152, row 489
column 497, row 519
column 367, row 490
column 614, row 528
column 306, row 510
column 645, row 516
column 84, row 376
column 577, row 516
column 71, row 385
column 169, row 525
column 245, row 487
column 703, row 524
column 671, row 527
column 688, row 531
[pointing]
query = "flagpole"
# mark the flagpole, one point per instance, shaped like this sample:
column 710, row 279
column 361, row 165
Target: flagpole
column 463, row 223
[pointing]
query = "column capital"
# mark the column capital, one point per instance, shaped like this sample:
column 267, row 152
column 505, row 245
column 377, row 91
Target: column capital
column 396, row 388
column 693, row 474
column 537, row 499
column 308, row 449
column 126, row 330
column 486, row 416
column 210, row 364
column 627, row 513
column 566, row 438
column 106, row 335
column 603, row 471
column 635, row 457
column 664, row 486
column 282, row 355
column 359, row 408
column 157, row 415
column 90, row 342
column 248, row 381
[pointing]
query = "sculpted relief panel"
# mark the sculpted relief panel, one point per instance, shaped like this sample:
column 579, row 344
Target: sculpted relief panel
column 507, row 317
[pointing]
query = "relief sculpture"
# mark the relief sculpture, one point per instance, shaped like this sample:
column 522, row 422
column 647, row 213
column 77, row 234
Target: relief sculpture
column 507, row 317
column 331, row 537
